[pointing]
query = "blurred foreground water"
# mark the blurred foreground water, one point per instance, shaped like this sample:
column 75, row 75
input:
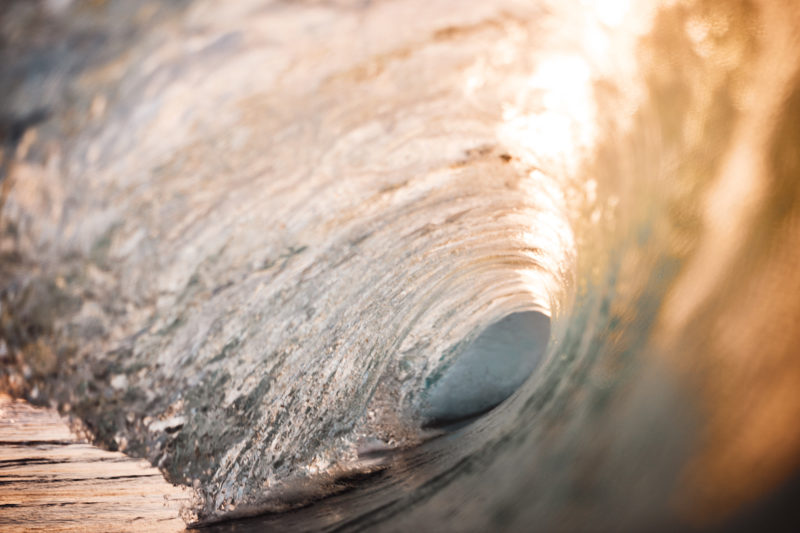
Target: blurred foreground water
column 276, row 247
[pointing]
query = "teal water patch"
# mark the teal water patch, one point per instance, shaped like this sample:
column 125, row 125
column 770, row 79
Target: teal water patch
column 489, row 370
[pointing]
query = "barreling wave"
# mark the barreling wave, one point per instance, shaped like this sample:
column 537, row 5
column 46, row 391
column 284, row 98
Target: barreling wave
column 426, row 262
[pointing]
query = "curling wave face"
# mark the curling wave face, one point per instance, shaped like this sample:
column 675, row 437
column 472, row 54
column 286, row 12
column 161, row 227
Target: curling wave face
column 286, row 251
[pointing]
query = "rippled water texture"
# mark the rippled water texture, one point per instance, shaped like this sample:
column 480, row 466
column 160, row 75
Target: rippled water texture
column 293, row 251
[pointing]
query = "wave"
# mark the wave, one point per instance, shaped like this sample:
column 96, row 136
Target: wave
column 402, row 264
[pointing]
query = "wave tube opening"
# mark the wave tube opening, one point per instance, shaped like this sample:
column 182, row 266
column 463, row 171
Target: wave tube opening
column 489, row 370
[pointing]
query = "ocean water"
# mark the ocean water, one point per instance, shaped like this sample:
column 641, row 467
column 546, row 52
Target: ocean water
column 395, row 265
